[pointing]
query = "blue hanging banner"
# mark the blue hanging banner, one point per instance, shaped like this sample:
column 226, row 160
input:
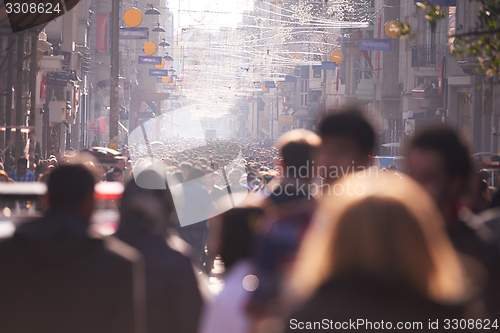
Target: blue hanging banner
column 375, row 44
column 158, row 72
column 325, row 65
column 149, row 60
column 290, row 78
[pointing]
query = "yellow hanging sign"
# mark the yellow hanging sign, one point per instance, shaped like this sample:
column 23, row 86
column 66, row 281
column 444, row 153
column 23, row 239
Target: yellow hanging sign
column 149, row 48
column 132, row 17
column 161, row 65
column 337, row 57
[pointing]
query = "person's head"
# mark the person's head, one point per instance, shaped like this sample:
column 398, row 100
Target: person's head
column 121, row 163
column 485, row 175
column 234, row 177
column 199, row 174
column 347, row 141
column 251, row 177
column 71, row 188
column 387, row 229
column 439, row 161
column 237, row 232
column 22, row 165
column 208, row 178
column 178, row 175
column 117, row 174
column 53, row 160
column 4, row 177
column 186, row 168
column 142, row 207
column 296, row 149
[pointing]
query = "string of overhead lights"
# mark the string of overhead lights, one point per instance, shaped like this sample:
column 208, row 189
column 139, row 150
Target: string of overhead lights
column 219, row 65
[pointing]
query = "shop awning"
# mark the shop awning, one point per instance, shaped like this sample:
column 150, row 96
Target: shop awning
column 420, row 90
column 313, row 111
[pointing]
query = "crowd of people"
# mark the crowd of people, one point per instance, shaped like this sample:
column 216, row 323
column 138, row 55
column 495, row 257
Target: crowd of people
column 311, row 236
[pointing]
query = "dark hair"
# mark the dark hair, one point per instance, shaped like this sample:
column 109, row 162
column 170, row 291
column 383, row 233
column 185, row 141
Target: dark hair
column 68, row 185
column 251, row 176
column 350, row 124
column 484, row 174
column 237, row 234
column 296, row 155
column 446, row 142
column 236, row 171
column 179, row 176
column 117, row 170
column 22, row 161
column 188, row 165
column 195, row 173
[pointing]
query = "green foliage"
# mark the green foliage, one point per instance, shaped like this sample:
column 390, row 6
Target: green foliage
column 404, row 30
column 433, row 13
column 483, row 42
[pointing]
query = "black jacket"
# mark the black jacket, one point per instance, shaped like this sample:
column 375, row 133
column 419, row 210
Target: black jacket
column 356, row 297
column 173, row 299
column 56, row 276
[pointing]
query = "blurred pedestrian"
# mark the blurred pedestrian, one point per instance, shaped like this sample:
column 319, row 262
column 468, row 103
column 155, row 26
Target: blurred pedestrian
column 193, row 215
column 347, row 141
column 58, row 276
column 146, row 222
column 378, row 255
column 440, row 163
column 21, row 173
column 227, row 314
column 289, row 209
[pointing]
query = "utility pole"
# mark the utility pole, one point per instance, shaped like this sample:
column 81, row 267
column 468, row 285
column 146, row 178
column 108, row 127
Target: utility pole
column 19, row 94
column 33, row 70
column 115, row 69
column 8, row 103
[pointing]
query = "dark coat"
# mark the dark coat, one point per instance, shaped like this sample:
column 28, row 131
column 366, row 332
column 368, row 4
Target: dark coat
column 56, row 276
column 173, row 299
column 483, row 246
column 356, row 297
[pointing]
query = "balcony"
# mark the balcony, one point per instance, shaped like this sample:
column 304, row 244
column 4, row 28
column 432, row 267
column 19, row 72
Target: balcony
column 423, row 56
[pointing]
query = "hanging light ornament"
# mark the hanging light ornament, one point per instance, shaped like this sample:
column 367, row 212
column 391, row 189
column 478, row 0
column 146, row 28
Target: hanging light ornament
column 158, row 28
column 152, row 11
column 163, row 43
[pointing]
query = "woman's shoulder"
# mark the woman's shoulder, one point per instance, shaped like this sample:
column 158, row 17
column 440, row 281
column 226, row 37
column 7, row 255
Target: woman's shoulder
column 345, row 299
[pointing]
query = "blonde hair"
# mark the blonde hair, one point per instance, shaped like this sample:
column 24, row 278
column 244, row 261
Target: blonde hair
column 298, row 136
column 384, row 227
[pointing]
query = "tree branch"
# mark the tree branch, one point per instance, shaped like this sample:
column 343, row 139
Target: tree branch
column 475, row 33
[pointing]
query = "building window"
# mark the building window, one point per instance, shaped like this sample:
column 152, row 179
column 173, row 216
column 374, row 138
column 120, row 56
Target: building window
column 317, row 73
column 304, row 87
column 303, row 99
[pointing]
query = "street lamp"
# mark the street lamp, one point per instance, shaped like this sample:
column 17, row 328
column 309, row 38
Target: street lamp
column 158, row 28
column 168, row 58
column 164, row 43
column 152, row 11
